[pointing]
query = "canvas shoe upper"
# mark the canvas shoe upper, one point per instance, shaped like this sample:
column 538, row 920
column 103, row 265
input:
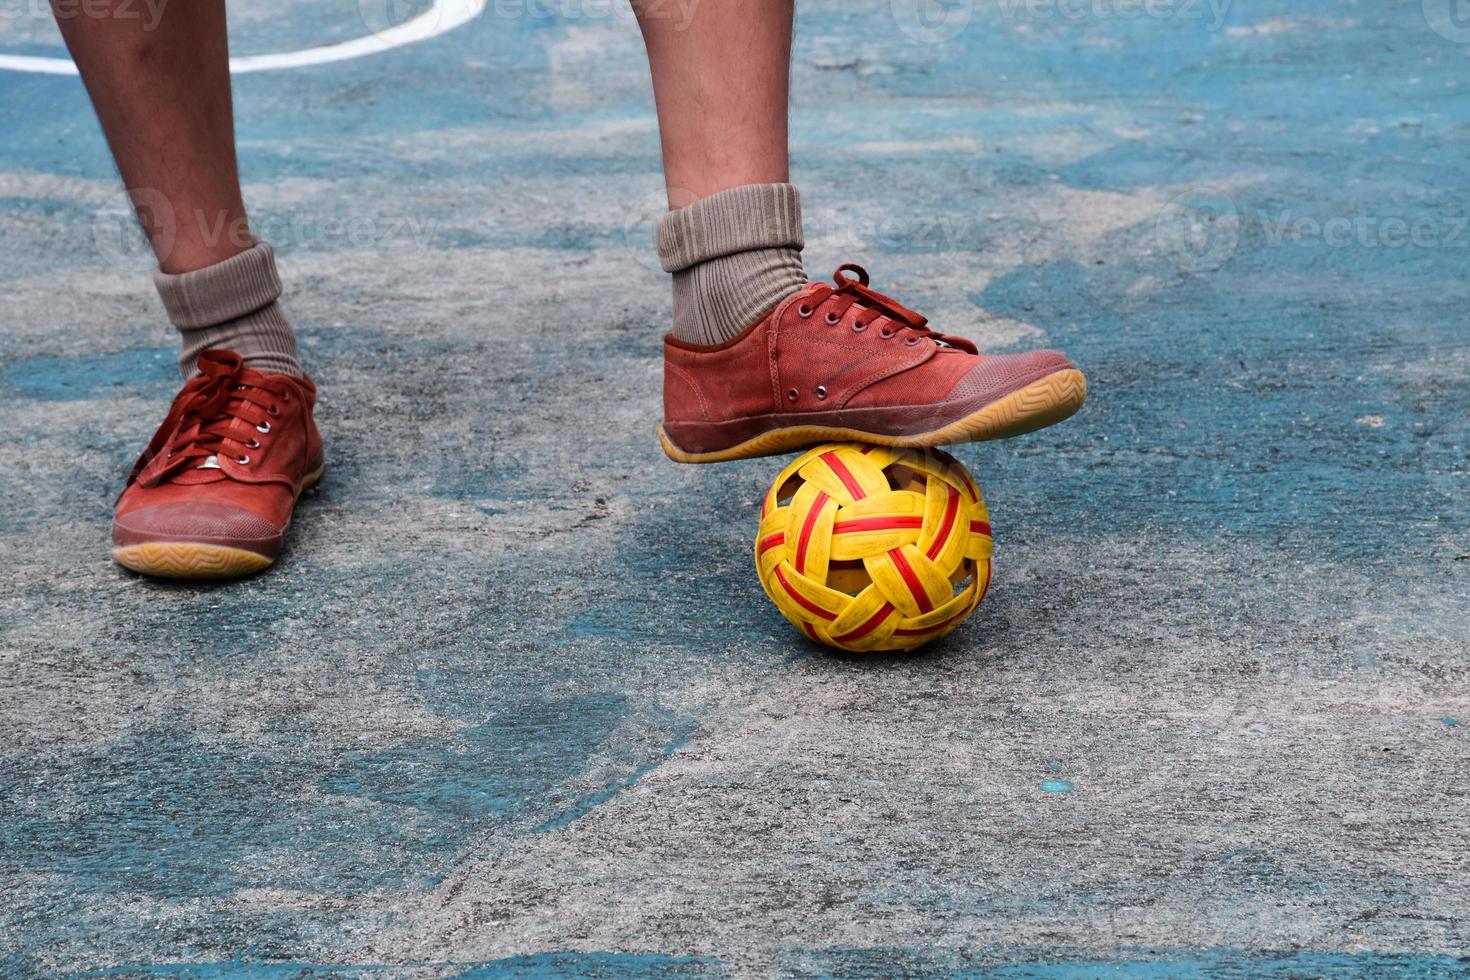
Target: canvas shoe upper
column 841, row 361
column 212, row 495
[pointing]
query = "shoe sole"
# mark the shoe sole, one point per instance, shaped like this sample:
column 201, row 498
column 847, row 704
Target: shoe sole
column 192, row 560
column 1043, row 402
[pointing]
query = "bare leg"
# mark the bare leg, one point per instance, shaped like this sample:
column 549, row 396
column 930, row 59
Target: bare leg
column 161, row 88
column 720, row 80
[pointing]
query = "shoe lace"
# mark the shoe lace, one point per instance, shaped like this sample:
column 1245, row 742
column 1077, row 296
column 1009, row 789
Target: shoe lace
column 201, row 421
column 848, row 292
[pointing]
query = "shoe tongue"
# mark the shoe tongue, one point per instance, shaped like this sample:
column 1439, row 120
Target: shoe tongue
column 196, row 477
column 205, row 472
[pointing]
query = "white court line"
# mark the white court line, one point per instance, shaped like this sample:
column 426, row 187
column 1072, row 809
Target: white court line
column 442, row 18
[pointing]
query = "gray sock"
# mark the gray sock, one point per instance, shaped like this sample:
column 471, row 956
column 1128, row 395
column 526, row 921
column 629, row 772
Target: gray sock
column 232, row 304
column 734, row 256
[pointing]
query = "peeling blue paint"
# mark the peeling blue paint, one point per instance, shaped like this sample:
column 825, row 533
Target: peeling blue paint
column 1152, row 964
column 495, row 768
column 165, row 813
column 591, row 966
column 593, row 800
column 150, row 373
column 596, row 966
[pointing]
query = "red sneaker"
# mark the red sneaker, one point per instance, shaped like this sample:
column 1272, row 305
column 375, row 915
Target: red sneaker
column 212, row 495
column 838, row 363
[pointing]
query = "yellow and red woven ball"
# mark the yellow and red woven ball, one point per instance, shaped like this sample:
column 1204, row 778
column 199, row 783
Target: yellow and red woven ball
column 867, row 548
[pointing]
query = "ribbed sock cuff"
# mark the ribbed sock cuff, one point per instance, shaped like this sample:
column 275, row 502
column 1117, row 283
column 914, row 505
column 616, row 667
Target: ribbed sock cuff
column 715, row 300
column 207, row 297
column 739, row 219
column 232, row 304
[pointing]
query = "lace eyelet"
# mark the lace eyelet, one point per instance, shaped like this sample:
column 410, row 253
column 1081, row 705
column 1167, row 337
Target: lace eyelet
column 821, row 392
column 273, row 411
column 243, row 460
column 885, row 334
column 263, row 427
column 803, row 312
column 253, row 444
column 859, row 327
column 911, row 341
column 832, row 319
column 792, row 394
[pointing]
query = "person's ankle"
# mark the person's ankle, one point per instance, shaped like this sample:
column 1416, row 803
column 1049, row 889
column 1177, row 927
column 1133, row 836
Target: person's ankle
column 264, row 339
column 734, row 256
column 714, row 301
column 232, row 305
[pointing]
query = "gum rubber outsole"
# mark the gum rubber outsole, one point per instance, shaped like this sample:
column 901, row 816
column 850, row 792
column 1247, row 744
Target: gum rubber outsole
column 1043, row 402
column 192, row 560
column 183, row 559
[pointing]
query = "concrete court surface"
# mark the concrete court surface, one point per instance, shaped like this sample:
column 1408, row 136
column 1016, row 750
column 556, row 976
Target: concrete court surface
column 513, row 703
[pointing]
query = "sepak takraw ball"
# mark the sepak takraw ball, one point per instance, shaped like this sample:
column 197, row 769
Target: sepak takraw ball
column 867, row 548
